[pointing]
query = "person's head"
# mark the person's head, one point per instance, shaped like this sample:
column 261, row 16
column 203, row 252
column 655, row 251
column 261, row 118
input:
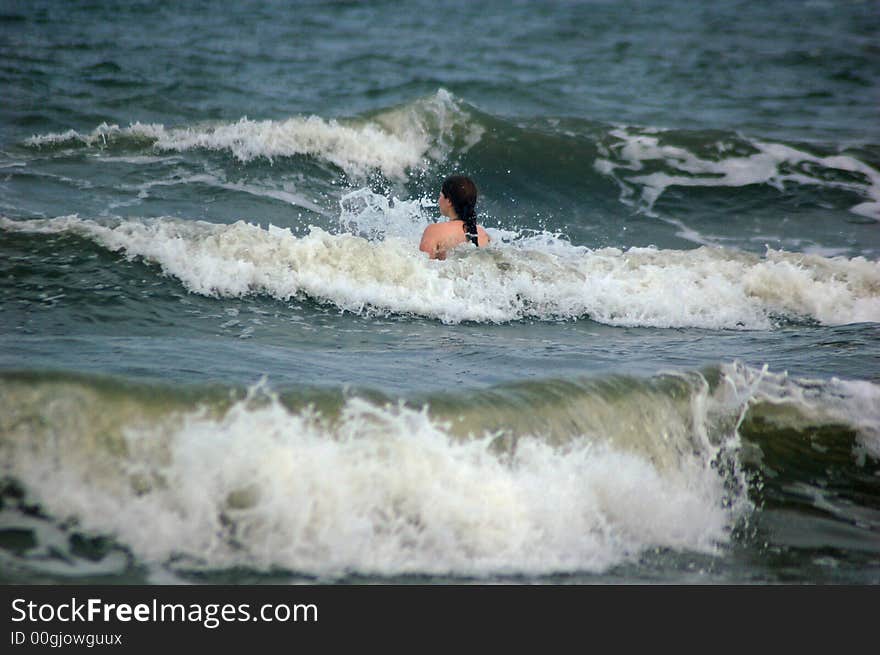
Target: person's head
column 458, row 199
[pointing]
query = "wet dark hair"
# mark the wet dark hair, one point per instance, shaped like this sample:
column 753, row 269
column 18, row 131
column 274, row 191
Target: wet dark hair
column 462, row 193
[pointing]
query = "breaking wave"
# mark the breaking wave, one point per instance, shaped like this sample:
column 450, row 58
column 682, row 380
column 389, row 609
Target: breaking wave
column 520, row 275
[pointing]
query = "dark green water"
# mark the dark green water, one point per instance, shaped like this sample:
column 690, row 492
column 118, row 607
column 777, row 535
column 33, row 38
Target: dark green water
column 224, row 359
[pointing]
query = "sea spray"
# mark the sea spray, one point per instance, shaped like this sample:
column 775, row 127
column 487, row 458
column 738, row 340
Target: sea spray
column 379, row 489
column 431, row 485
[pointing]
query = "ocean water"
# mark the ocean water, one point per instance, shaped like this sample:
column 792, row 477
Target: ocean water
column 224, row 360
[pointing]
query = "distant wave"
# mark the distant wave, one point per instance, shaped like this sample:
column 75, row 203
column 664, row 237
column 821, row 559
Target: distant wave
column 518, row 276
column 391, row 141
column 647, row 162
column 644, row 162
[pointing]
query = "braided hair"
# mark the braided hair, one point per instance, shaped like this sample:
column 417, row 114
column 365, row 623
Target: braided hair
column 462, row 193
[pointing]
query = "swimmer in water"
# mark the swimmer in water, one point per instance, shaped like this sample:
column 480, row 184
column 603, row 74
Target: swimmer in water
column 457, row 201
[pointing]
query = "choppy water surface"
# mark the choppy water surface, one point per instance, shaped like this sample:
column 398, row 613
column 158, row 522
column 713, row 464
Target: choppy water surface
column 224, row 359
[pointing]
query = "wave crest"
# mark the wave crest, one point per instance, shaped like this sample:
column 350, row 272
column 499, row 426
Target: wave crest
column 537, row 276
column 392, row 142
column 376, row 489
column 196, row 480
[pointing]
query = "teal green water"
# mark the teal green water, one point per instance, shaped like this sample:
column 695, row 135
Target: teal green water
column 224, row 359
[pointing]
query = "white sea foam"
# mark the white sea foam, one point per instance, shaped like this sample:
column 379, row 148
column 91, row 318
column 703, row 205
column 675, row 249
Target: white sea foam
column 538, row 276
column 390, row 489
column 765, row 166
column 381, row 490
column 101, row 135
column 392, row 141
column 855, row 403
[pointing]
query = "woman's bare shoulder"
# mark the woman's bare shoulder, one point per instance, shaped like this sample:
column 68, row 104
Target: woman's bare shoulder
column 431, row 239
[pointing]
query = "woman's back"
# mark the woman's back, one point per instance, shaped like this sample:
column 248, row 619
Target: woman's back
column 439, row 238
